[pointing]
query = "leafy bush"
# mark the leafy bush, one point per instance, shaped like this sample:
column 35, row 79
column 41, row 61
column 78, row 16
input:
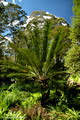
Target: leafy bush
column 69, row 114
column 14, row 116
column 3, row 87
column 73, row 114
column 62, row 104
column 32, row 99
column 9, row 99
column 13, row 97
column 20, row 87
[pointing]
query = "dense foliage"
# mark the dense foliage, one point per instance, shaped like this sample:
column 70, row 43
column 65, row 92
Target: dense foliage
column 72, row 60
column 39, row 65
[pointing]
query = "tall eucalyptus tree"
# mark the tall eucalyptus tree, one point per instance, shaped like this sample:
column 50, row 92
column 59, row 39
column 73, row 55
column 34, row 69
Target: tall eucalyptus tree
column 16, row 18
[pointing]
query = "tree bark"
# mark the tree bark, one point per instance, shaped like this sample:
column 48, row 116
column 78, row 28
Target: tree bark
column 44, row 87
column 45, row 98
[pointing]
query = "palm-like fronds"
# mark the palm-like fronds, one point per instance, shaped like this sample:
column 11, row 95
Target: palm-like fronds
column 40, row 56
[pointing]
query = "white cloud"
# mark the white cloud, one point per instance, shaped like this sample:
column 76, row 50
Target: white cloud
column 47, row 17
column 29, row 19
column 56, row 16
column 41, row 25
column 13, row 1
column 5, row 3
column 8, row 38
column 24, row 25
column 47, row 13
column 15, row 22
column 2, row 41
column 41, row 19
column 64, row 24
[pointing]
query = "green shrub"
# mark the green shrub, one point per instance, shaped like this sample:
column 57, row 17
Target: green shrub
column 20, row 87
column 3, row 87
column 9, row 99
column 57, row 114
column 14, row 97
column 73, row 114
column 14, row 116
column 32, row 99
column 62, row 104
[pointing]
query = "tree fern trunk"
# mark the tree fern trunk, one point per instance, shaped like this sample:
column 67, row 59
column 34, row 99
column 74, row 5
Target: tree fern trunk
column 44, row 87
column 45, row 98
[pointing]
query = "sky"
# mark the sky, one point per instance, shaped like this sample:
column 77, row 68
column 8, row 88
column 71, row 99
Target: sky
column 59, row 8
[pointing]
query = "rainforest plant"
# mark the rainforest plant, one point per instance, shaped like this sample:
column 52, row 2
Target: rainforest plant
column 40, row 59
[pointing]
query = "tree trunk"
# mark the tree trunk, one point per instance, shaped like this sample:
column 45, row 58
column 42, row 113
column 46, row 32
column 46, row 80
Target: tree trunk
column 45, row 98
column 44, row 87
